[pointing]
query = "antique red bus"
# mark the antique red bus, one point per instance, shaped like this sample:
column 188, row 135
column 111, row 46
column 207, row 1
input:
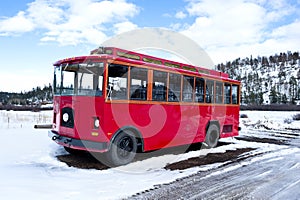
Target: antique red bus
column 120, row 102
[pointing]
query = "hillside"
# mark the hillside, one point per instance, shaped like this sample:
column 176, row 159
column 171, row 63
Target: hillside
column 267, row 80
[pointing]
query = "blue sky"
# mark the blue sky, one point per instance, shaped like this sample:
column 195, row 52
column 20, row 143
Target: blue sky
column 36, row 33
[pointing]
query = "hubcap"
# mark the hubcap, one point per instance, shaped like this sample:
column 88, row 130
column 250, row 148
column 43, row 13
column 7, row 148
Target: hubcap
column 213, row 137
column 125, row 147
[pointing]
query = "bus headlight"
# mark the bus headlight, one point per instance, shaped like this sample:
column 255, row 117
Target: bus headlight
column 96, row 122
column 65, row 117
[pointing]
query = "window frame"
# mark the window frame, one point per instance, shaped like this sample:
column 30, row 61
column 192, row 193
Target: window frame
column 200, row 95
column 174, row 90
column 209, row 84
column 185, row 82
column 227, row 93
column 162, row 92
column 219, row 92
column 142, row 91
column 110, row 86
column 237, row 98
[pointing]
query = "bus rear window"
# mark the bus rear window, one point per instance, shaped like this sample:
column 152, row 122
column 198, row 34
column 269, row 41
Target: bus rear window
column 235, row 92
column 227, row 93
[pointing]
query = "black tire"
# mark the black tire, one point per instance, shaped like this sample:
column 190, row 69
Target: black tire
column 123, row 149
column 212, row 136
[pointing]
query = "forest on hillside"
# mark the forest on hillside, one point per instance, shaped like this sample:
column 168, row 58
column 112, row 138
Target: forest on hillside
column 267, row 80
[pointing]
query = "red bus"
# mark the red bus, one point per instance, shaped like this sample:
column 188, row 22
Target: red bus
column 122, row 102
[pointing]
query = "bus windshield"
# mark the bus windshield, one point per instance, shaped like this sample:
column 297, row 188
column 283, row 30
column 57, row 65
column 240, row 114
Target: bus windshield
column 84, row 79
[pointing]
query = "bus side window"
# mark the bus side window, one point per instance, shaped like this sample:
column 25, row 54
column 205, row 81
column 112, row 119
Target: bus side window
column 138, row 83
column 188, row 87
column 159, row 90
column 227, row 92
column 174, row 87
column 117, row 81
column 199, row 90
column 209, row 98
column 219, row 92
column 235, row 94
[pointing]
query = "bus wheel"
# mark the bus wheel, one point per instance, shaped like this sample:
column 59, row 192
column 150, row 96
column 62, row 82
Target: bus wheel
column 212, row 136
column 123, row 149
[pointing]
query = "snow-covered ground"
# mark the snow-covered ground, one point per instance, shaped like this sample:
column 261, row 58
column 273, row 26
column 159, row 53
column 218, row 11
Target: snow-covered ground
column 271, row 119
column 29, row 168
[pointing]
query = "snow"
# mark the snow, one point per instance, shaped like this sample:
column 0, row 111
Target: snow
column 271, row 119
column 29, row 167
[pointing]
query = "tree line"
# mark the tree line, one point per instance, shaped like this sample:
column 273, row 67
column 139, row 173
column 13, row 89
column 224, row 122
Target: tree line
column 267, row 80
column 36, row 96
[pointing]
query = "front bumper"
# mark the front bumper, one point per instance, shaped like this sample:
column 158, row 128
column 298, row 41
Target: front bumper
column 78, row 144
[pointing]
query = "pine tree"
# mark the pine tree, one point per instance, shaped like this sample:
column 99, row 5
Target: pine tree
column 273, row 95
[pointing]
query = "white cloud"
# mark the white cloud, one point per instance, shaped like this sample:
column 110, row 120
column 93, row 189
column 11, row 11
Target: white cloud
column 180, row 15
column 45, row 14
column 176, row 26
column 72, row 22
column 290, row 30
column 16, row 24
column 219, row 24
column 124, row 27
column 241, row 28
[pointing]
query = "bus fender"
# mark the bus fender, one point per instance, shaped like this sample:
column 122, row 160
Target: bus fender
column 135, row 131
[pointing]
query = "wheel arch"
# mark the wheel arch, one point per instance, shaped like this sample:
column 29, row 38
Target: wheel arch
column 135, row 131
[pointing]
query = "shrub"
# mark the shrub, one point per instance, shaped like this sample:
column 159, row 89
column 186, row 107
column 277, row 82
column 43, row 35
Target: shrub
column 243, row 116
column 288, row 121
column 296, row 117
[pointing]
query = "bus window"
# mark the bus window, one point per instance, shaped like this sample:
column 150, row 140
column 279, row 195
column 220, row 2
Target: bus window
column 199, row 90
column 227, row 93
column 187, row 90
column 138, row 83
column 235, row 94
column 219, row 92
column 159, row 91
column 174, row 87
column 67, row 84
column 117, row 81
column 209, row 98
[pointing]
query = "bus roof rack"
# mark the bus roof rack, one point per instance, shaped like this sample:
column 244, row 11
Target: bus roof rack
column 117, row 52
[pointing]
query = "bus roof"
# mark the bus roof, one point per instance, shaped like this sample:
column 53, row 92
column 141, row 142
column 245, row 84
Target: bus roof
column 138, row 58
